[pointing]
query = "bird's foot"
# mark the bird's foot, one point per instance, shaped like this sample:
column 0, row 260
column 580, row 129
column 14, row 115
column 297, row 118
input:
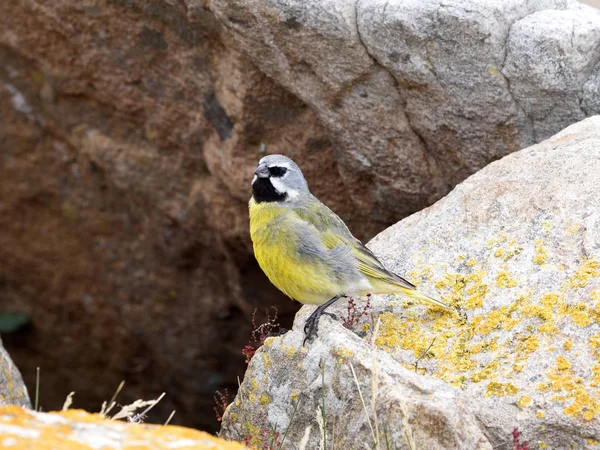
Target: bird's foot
column 311, row 327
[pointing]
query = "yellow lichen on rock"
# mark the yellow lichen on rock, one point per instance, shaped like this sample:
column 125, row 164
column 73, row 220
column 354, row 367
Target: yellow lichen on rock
column 471, row 284
column 79, row 430
column 562, row 363
column 504, row 280
column 588, row 268
column 486, row 349
column 541, row 254
column 524, row 401
column 496, row 389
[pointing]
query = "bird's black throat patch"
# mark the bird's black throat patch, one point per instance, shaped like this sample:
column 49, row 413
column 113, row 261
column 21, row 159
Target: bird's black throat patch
column 263, row 191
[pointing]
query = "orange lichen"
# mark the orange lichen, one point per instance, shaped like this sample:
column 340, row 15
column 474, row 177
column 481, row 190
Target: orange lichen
column 45, row 431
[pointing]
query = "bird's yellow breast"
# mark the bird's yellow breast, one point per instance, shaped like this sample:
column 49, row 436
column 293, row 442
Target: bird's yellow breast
column 275, row 232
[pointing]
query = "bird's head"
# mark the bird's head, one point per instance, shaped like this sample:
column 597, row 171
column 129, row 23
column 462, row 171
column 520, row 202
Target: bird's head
column 276, row 179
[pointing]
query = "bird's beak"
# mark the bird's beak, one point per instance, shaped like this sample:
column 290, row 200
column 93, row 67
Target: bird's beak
column 262, row 171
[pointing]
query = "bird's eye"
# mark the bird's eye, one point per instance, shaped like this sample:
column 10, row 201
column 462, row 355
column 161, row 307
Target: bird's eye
column 277, row 172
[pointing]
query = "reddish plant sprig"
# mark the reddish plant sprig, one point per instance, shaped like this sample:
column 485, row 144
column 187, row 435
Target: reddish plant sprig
column 352, row 315
column 221, row 400
column 517, row 444
column 268, row 438
column 261, row 332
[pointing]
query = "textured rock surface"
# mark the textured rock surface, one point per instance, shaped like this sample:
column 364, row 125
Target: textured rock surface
column 517, row 246
column 287, row 386
column 12, row 388
column 130, row 129
column 439, row 89
column 76, row 429
column 128, row 137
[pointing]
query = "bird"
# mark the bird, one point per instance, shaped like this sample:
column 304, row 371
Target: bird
column 306, row 250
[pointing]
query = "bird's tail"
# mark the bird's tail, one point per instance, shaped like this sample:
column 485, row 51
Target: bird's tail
column 420, row 296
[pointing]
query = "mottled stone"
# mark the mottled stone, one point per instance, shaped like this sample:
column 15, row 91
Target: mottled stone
column 515, row 246
column 423, row 93
column 77, row 429
column 287, row 388
column 12, row 389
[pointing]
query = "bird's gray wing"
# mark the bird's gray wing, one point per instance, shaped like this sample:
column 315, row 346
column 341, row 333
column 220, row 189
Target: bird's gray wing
column 333, row 234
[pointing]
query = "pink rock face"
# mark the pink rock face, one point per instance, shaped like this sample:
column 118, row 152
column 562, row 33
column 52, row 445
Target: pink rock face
column 129, row 135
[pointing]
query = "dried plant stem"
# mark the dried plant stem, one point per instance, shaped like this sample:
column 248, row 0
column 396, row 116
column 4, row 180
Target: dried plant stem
column 170, row 417
column 37, row 389
column 363, row 402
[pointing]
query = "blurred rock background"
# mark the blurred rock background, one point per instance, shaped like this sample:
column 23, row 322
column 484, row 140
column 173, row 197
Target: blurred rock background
column 130, row 129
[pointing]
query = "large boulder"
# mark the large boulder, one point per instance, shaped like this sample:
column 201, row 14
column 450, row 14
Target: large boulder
column 420, row 93
column 12, row 389
column 128, row 137
column 289, row 388
column 517, row 247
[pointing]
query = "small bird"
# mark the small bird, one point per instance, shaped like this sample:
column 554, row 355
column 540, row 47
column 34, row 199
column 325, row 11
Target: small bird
column 306, row 250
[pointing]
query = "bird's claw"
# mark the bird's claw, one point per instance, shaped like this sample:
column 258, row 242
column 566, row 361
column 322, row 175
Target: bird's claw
column 311, row 327
column 312, row 323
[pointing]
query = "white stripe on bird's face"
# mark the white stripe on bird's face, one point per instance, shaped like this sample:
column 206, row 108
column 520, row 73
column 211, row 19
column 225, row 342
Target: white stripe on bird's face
column 281, row 187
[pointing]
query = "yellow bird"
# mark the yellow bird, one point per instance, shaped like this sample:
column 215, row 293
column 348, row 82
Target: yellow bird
column 306, row 250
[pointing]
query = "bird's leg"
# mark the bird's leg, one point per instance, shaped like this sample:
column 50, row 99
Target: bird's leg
column 312, row 323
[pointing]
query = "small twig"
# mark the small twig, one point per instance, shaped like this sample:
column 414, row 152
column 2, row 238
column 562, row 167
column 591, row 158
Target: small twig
column 37, row 389
column 152, row 405
column 304, row 440
column 423, row 354
column 68, row 401
column 170, row 417
column 363, row 402
column 107, row 407
column 324, row 420
column 291, row 421
column 374, row 381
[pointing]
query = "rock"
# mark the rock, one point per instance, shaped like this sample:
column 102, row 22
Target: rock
column 517, row 247
column 20, row 428
column 128, row 138
column 130, row 130
column 12, row 389
column 439, row 90
column 288, row 388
